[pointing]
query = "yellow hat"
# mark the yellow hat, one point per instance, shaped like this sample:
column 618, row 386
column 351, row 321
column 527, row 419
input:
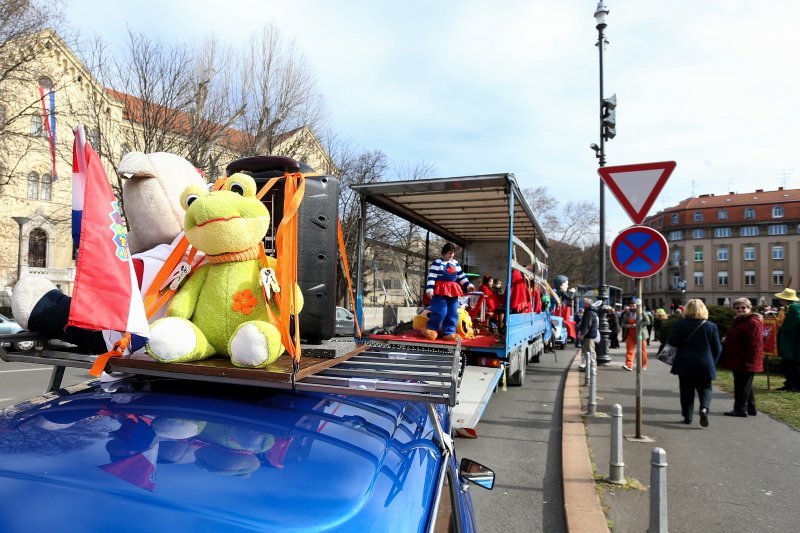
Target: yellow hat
column 788, row 294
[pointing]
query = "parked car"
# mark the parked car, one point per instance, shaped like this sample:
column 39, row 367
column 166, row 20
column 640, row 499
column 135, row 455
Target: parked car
column 8, row 326
column 156, row 454
column 344, row 322
column 559, row 333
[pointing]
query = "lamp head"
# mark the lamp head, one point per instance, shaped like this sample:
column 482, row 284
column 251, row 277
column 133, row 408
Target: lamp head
column 600, row 14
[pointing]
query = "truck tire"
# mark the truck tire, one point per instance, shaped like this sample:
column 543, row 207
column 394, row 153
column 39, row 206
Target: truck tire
column 517, row 379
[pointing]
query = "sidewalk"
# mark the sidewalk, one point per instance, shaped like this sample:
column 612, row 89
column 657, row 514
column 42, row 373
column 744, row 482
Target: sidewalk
column 737, row 475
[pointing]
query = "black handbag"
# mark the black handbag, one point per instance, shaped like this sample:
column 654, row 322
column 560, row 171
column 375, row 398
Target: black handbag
column 667, row 352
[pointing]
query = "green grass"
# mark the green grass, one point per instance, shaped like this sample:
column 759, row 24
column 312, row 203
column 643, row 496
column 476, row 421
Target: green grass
column 783, row 406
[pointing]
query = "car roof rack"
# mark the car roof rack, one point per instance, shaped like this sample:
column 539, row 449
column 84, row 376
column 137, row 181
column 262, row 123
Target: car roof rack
column 422, row 372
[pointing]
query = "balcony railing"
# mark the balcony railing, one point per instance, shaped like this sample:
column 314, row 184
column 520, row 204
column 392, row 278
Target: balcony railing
column 56, row 275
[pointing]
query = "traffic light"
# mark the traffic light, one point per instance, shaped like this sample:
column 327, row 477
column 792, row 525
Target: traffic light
column 610, row 117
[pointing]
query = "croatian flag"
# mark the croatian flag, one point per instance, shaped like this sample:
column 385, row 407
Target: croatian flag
column 48, row 97
column 106, row 294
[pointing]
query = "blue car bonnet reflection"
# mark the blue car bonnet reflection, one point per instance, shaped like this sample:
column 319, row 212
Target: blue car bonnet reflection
column 164, row 454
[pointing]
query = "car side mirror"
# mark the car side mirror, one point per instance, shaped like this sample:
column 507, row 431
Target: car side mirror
column 477, row 473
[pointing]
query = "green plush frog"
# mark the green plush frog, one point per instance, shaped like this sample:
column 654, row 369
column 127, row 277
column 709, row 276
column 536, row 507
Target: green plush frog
column 220, row 309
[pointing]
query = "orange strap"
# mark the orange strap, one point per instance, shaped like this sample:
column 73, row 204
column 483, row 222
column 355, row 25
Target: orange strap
column 286, row 245
column 116, row 351
column 346, row 268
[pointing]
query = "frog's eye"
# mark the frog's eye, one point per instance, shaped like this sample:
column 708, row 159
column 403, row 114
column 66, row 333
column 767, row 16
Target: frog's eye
column 241, row 184
column 236, row 187
column 190, row 194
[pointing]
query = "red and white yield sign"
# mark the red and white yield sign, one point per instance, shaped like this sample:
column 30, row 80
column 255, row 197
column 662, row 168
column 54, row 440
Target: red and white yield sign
column 637, row 186
column 639, row 252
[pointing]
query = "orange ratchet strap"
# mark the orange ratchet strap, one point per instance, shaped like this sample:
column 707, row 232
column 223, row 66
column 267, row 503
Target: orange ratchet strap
column 116, row 351
column 346, row 268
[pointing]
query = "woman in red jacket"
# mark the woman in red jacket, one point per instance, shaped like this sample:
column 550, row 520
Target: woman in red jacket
column 743, row 353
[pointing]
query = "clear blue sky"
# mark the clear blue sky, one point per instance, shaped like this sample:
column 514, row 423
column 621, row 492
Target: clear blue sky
column 476, row 87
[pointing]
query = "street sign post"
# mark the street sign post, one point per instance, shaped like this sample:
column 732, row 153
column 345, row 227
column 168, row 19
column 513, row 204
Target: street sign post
column 639, row 252
column 636, row 187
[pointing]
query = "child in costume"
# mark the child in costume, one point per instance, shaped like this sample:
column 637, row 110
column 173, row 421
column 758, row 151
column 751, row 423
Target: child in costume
column 444, row 286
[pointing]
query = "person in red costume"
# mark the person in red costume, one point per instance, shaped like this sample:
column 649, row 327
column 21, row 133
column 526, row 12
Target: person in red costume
column 494, row 304
column 520, row 295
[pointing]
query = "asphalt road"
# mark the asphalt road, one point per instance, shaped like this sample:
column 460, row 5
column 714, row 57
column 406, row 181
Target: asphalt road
column 519, row 437
column 20, row 381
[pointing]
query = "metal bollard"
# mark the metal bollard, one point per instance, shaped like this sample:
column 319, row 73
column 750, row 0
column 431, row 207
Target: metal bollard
column 658, row 492
column 588, row 370
column 616, row 466
column 591, row 372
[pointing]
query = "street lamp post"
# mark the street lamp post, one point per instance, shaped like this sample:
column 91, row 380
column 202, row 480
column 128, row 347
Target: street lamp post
column 21, row 221
column 602, row 290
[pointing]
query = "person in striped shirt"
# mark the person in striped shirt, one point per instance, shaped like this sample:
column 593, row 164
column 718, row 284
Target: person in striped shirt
column 445, row 283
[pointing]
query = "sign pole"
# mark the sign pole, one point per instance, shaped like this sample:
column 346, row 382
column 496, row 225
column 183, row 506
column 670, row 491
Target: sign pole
column 639, row 337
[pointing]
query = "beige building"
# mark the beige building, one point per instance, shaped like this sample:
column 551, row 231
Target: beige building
column 35, row 202
column 726, row 247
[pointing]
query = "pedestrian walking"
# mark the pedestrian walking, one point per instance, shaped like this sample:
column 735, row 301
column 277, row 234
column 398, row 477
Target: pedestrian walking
column 743, row 354
column 649, row 315
column 789, row 340
column 698, row 350
column 587, row 334
column 628, row 320
column 613, row 325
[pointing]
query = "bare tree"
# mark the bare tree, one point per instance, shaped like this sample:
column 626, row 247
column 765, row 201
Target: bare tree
column 282, row 96
column 23, row 41
column 157, row 88
column 218, row 102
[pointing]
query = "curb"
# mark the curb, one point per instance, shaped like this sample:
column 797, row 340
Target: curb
column 582, row 508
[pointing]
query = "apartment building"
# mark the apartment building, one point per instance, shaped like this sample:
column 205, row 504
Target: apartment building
column 723, row 247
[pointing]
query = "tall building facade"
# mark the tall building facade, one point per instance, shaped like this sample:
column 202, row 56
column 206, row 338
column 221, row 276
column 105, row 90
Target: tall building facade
column 723, row 247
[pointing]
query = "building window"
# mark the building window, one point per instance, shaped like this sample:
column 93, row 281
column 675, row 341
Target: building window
column 722, row 214
column 777, row 277
column 749, row 231
column 37, row 127
column 722, row 278
column 37, row 248
column 33, row 185
column 749, row 253
column 676, row 235
column 698, row 278
column 722, row 253
column 722, row 232
column 94, row 138
column 749, row 277
column 674, row 219
column 777, row 211
column 698, row 216
column 661, row 222
column 777, row 252
column 676, row 280
column 47, row 187
column 698, row 254
column 698, row 233
column 749, row 213
column 778, row 229
column 676, row 257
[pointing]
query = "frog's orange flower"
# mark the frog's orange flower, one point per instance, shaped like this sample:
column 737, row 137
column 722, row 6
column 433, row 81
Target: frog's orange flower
column 244, row 302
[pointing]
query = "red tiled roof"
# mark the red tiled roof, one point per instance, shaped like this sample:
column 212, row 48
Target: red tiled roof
column 231, row 138
column 735, row 204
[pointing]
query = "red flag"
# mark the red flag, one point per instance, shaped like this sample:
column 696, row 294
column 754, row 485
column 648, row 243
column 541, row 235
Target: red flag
column 106, row 294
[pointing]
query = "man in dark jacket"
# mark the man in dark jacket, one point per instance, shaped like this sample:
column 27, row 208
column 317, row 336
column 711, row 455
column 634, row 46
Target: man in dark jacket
column 587, row 333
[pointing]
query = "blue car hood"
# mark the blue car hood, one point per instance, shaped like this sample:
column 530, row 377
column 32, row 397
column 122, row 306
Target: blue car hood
column 154, row 455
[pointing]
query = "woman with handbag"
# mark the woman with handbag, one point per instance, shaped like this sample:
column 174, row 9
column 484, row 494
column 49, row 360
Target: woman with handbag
column 698, row 350
column 743, row 353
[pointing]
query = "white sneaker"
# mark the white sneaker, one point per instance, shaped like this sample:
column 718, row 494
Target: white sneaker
column 626, row 367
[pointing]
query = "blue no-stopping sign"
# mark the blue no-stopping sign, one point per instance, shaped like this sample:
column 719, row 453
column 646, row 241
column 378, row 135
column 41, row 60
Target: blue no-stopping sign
column 639, row 252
